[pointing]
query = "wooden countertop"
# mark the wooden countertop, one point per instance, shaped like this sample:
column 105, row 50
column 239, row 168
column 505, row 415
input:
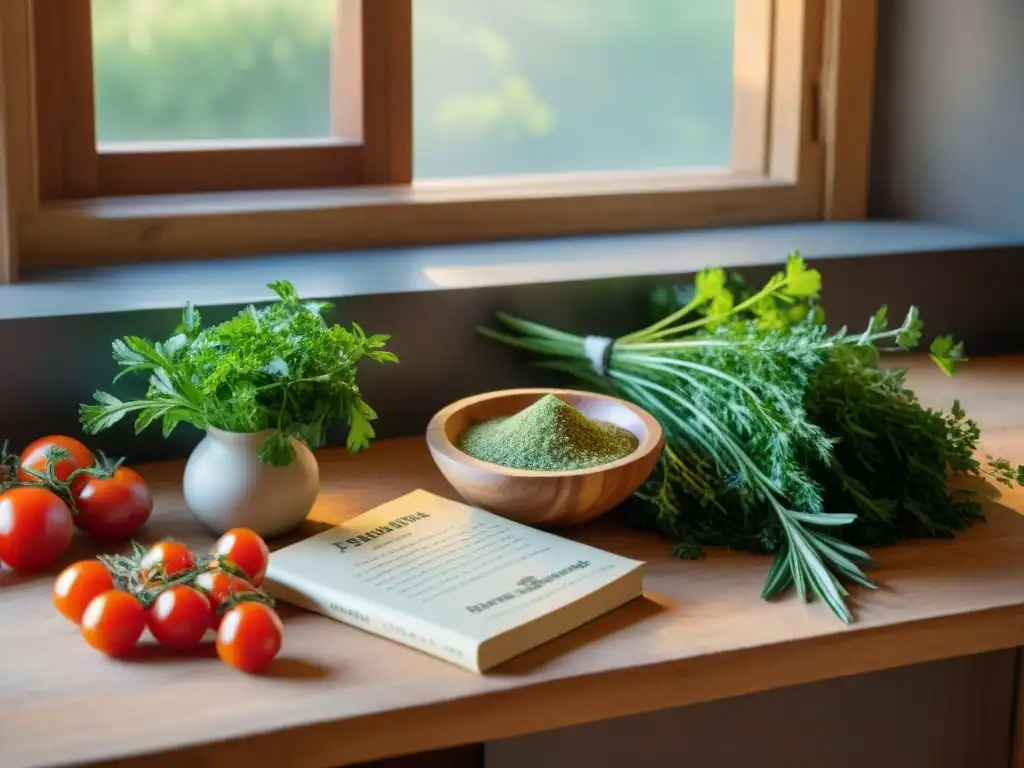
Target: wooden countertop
column 340, row 696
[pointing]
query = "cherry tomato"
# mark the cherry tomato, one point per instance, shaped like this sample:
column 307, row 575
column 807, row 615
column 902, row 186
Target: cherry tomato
column 179, row 617
column 35, row 527
column 169, row 557
column 218, row 586
column 113, row 622
column 77, row 585
column 247, row 550
column 114, row 508
column 34, row 457
column 249, row 637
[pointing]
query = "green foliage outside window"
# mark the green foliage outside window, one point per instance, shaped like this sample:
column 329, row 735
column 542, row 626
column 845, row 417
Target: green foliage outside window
column 502, row 86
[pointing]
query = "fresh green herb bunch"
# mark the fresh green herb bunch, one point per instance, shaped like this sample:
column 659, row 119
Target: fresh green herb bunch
column 888, row 464
column 280, row 368
column 782, row 437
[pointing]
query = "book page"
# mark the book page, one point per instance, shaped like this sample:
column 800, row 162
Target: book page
column 451, row 564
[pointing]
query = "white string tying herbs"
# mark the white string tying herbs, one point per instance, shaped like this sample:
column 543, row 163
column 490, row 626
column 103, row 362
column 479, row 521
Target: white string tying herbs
column 598, row 350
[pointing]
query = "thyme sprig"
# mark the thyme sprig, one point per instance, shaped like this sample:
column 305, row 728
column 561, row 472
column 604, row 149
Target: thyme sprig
column 782, row 437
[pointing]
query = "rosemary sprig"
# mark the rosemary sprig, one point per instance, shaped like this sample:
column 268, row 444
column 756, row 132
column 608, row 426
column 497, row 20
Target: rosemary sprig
column 781, row 436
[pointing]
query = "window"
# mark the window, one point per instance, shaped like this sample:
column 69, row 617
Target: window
column 180, row 96
column 177, row 128
column 170, row 71
column 570, row 86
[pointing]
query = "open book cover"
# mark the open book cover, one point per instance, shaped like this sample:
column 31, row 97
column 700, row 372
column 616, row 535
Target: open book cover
column 452, row 580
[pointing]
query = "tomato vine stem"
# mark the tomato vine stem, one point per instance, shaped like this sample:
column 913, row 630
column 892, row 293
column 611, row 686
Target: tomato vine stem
column 147, row 584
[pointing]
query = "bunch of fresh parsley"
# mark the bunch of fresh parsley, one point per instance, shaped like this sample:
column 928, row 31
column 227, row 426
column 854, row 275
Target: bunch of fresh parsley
column 280, row 367
column 782, row 437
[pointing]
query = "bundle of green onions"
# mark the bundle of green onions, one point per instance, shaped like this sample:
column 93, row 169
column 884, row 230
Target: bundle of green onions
column 782, row 437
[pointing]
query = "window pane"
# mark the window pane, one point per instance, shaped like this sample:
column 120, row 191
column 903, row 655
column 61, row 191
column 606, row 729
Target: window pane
column 174, row 70
column 542, row 86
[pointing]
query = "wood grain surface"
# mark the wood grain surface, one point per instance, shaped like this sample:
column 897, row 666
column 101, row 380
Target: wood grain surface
column 548, row 499
column 338, row 696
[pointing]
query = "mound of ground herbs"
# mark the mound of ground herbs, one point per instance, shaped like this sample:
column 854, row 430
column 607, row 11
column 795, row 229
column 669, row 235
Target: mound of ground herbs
column 550, row 435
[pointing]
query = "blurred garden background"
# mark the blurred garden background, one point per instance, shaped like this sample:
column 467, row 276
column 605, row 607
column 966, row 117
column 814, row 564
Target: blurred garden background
column 501, row 86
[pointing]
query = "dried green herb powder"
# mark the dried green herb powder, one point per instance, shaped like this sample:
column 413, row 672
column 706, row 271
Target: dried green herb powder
column 549, row 435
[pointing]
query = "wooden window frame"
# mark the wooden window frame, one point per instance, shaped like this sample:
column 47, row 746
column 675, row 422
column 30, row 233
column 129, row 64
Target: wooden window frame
column 803, row 71
column 371, row 111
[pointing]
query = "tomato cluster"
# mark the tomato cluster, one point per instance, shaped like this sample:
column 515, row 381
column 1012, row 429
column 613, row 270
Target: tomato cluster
column 179, row 596
column 56, row 484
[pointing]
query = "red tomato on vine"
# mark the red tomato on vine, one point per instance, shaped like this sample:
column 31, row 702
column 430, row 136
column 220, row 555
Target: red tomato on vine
column 179, row 617
column 34, row 458
column 219, row 586
column 113, row 622
column 112, row 508
column 77, row 585
column 35, row 527
column 167, row 558
column 249, row 636
column 247, row 550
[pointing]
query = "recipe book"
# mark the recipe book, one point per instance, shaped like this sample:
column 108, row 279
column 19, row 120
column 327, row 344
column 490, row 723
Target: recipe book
column 452, row 580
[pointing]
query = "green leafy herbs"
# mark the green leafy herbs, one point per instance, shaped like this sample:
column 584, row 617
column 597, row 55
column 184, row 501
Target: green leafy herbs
column 782, row 436
column 279, row 368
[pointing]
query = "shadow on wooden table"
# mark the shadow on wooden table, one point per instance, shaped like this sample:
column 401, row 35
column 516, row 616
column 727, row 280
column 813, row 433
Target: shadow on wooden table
column 148, row 652
column 958, row 561
column 304, row 531
column 288, row 668
column 634, row 612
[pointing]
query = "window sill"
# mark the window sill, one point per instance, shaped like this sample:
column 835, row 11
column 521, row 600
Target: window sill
column 121, row 230
column 213, row 282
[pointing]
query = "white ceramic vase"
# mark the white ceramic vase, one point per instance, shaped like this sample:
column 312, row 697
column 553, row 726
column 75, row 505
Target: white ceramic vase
column 227, row 486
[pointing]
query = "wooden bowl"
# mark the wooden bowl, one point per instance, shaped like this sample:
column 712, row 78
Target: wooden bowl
column 544, row 499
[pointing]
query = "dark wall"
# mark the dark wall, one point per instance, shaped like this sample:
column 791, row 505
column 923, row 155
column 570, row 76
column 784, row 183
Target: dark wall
column 949, row 116
column 61, row 361
column 947, row 714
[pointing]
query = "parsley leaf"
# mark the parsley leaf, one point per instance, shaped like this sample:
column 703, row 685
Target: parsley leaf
column 782, row 436
column 947, row 354
column 801, row 281
column 910, row 334
column 281, row 367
